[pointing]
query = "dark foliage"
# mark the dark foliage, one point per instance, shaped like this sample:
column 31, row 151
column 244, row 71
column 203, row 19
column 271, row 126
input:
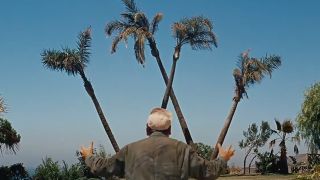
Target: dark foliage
column 14, row 172
column 9, row 138
column 268, row 163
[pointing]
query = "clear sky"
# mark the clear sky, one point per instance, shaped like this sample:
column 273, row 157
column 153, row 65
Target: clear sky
column 55, row 116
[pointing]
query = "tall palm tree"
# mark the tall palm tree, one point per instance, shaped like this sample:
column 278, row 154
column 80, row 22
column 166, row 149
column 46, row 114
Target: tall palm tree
column 196, row 31
column 135, row 24
column 283, row 129
column 73, row 62
column 249, row 72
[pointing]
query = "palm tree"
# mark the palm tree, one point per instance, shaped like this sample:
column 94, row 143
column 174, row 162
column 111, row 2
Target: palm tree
column 196, row 31
column 282, row 131
column 73, row 62
column 135, row 24
column 249, row 72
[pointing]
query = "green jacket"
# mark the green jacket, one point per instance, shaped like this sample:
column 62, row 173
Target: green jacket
column 156, row 158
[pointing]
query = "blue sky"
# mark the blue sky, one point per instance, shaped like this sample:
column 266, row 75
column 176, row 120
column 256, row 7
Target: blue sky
column 55, row 116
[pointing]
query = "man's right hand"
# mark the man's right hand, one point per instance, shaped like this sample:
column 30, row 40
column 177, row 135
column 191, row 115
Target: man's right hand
column 225, row 154
column 85, row 152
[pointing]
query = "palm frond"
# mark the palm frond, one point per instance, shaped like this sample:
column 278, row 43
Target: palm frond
column 115, row 42
column 155, row 22
column 254, row 70
column 271, row 63
column 139, row 48
column 130, row 6
column 128, row 32
column 197, row 31
column 66, row 60
column 128, row 18
column 114, row 26
column 279, row 127
column 53, row 59
column 179, row 31
column 84, row 44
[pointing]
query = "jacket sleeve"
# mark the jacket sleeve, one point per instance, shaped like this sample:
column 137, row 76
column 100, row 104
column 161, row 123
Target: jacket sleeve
column 107, row 167
column 200, row 168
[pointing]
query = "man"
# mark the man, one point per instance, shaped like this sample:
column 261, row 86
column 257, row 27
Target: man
column 157, row 157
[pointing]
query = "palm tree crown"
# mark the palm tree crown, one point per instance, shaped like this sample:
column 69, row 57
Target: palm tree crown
column 196, row 31
column 72, row 61
column 252, row 70
column 134, row 23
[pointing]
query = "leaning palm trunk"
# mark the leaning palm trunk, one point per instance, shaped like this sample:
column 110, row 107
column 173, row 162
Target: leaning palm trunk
column 169, row 86
column 182, row 121
column 225, row 128
column 103, row 119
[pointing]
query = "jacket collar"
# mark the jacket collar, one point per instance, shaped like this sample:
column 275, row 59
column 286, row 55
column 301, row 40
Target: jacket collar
column 157, row 133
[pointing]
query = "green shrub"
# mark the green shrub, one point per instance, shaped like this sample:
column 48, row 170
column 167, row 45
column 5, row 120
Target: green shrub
column 267, row 163
column 50, row 169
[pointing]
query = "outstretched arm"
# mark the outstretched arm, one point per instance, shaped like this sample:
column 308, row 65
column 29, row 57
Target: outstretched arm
column 203, row 169
column 105, row 167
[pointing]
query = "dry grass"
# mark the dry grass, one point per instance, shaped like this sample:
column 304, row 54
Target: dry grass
column 259, row 177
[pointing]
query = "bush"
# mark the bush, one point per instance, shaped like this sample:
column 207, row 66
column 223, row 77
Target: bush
column 203, row 150
column 268, row 163
column 52, row 170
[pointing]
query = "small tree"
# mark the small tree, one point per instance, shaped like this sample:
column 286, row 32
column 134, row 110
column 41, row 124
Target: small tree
column 9, row 138
column 308, row 120
column 282, row 131
column 254, row 138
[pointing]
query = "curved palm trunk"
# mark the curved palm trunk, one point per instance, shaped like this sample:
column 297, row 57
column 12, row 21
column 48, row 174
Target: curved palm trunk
column 225, row 128
column 103, row 119
column 245, row 160
column 169, row 86
column 251, row 163
column 182, row 121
